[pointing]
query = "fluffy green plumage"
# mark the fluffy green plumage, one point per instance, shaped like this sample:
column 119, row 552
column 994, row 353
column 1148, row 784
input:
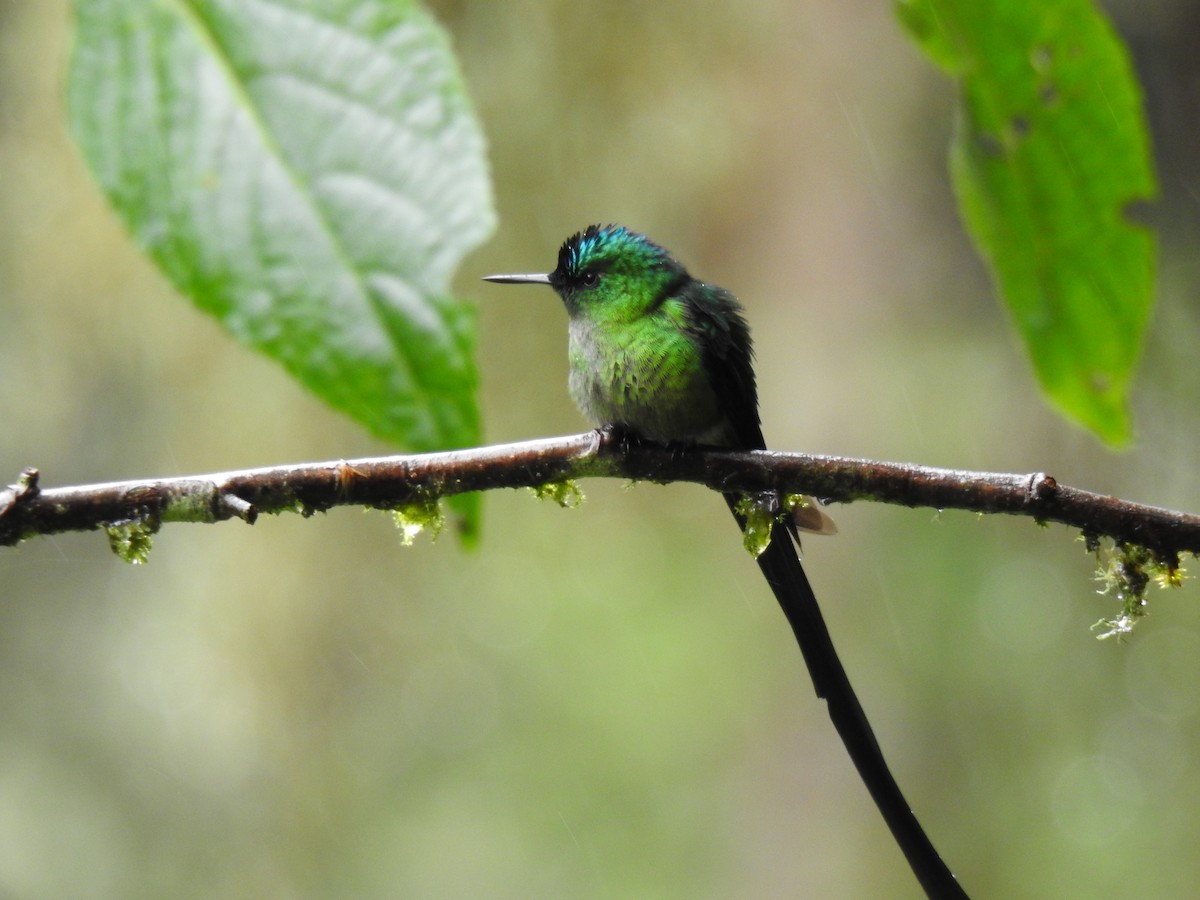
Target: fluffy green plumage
column 652, row 350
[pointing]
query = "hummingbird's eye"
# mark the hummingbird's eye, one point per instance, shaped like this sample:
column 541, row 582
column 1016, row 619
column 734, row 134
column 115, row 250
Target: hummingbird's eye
column 590, row 279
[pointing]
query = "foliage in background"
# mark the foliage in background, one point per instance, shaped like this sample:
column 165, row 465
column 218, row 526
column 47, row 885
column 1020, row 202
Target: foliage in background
column 311, row 174
column 1050, row 152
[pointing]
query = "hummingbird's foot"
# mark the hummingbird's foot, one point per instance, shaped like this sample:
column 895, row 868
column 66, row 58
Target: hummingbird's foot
column 619, row 437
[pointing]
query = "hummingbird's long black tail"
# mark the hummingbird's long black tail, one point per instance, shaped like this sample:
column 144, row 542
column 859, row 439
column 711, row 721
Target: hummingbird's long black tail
column 781, row 566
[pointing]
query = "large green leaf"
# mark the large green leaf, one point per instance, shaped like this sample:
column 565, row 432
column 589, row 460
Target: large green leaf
column 1050, row 153
column 309, row 172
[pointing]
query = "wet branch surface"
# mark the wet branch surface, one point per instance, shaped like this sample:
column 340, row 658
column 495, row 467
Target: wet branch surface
column 27, row 510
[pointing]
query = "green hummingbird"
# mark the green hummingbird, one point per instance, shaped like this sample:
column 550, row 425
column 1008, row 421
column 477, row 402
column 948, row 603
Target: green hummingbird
column 653, row 352
column 658, row 355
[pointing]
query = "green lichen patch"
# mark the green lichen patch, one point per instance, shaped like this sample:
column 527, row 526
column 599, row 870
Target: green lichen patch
column 567, row 494
column 1125, row 572
column 131, row 541
column 414, row 518
column 759, row 523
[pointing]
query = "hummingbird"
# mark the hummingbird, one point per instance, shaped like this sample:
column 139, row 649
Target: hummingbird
column 657, row 355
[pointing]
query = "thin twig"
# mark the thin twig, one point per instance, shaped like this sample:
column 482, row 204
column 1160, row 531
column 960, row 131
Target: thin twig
column 27, row 510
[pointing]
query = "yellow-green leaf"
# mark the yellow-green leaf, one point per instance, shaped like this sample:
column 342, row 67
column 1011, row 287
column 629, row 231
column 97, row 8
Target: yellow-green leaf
column 1050, row 154
column 308, row 172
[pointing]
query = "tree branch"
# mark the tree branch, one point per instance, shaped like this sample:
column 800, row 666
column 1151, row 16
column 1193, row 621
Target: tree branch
column 27, row 510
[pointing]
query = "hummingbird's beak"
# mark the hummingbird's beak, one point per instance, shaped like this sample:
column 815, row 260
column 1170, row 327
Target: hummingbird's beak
column 518, row 279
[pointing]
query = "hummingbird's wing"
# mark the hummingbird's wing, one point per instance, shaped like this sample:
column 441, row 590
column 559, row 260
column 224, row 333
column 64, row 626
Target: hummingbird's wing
column 716, row 323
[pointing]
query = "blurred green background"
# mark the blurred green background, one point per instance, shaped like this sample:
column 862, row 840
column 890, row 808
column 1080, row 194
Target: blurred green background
column 603, row 702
